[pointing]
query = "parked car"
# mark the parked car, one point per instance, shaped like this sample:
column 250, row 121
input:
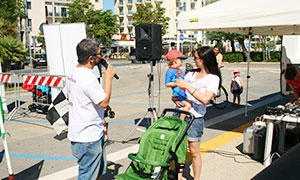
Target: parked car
column 39, row 60
column 14, row 65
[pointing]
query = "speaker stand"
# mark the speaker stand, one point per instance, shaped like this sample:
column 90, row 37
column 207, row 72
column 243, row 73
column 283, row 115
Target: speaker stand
column 151, row 108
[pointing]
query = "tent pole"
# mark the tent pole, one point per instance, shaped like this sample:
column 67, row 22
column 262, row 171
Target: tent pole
column 178, row 42
column 248, row 77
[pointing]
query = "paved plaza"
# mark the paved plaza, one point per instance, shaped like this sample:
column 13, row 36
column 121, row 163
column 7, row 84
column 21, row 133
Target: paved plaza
column 38, row 153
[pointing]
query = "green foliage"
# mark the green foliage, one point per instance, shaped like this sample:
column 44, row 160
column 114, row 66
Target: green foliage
column 256, row 56
column 7, row 28
column 275, row 55
column 11, row 50
column 41, row 39
column 99, row 24
column 233, row 57
column 148, row 14
column 10, row 10
column 215, row 36
column 77, row 11
column 102, row 25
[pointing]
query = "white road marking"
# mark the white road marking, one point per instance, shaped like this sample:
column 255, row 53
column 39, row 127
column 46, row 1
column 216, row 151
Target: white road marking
column 73, row 171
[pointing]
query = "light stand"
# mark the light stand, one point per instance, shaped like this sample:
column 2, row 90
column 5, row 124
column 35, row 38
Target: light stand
column 151, row 109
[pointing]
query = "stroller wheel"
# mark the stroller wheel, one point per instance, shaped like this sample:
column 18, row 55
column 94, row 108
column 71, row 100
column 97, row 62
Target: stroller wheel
column 45, row 109
column 32, row 107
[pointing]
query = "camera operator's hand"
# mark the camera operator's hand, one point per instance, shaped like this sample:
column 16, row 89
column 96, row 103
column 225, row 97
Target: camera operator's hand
column 109, row 73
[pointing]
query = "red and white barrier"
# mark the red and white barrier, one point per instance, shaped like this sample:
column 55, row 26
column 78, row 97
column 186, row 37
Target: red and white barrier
column 5, row 78
column 52, row 81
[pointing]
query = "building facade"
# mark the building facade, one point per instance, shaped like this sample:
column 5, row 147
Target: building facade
column 126, row 8
column 41, row 12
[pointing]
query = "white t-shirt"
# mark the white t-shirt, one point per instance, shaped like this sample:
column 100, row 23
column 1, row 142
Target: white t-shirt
column 207, row 83
column 85, row 117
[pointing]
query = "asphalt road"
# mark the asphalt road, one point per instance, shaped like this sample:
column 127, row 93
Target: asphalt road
column 37, row 152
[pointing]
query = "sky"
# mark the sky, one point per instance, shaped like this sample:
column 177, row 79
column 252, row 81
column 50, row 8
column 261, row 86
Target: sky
column 108, row 4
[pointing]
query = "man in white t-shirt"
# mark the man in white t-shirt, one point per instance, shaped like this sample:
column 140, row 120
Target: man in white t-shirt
column 87, row 102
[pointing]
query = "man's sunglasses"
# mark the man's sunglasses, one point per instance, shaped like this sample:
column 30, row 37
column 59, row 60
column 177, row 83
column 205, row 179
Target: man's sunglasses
column 99, row 53
column 96, row 54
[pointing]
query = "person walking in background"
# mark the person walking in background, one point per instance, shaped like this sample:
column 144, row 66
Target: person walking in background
column 87, row 102
column 201, row 86
column 219, row 56
column 174, row 72
column 236, row 87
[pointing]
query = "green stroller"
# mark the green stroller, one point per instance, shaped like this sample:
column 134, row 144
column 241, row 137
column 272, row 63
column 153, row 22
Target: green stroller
column 164, row 142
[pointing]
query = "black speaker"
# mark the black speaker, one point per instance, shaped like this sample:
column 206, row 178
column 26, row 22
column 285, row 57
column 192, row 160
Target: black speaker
column 148, row 42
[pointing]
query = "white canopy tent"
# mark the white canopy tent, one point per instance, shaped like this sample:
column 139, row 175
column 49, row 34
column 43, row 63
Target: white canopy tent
column 250, row 17
column 260, row 17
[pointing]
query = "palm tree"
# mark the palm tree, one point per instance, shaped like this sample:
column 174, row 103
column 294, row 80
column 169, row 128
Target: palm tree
column 11, row 50
column 7, row 28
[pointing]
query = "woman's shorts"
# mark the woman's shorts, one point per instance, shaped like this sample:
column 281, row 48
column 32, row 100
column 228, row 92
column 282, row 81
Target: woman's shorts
column 195, row 131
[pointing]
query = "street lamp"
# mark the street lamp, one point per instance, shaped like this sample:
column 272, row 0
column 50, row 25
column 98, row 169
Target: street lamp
column 53, row 12
column 175, row 26
column 27, row 36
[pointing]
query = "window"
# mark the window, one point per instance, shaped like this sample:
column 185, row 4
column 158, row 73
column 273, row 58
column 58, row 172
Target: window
column 46, row 10
column 29, row 22
column 63, row 12
column 28, row 5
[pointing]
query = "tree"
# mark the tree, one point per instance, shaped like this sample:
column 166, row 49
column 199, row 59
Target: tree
column 99, row 24
column 9, row 12
column 11, row 50
column 102, row 25
column 148, row 14
column 215, row 36
column 77, row 11
column 219, row 36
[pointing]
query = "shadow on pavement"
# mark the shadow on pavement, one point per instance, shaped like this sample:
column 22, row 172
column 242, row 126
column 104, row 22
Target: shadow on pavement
column 111, row 171
column 240, row 118
column 30, row 173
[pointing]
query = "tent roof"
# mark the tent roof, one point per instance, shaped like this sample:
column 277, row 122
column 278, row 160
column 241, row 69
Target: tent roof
column 261, row 17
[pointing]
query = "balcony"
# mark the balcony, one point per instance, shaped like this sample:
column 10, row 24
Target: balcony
column 130, row 13
column 129, row 3
column 51, row 13
column 130, row 23
column 179, row 9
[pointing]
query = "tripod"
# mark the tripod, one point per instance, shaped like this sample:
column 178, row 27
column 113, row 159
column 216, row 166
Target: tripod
column 151, row 108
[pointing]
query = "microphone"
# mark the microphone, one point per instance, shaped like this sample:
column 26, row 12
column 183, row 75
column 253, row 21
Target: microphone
column 104, row 63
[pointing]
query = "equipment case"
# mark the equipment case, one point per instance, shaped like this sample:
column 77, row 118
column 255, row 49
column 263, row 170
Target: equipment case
column 249, row 136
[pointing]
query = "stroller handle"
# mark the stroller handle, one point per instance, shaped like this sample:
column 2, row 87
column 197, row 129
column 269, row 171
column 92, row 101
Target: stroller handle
column 190, row 115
